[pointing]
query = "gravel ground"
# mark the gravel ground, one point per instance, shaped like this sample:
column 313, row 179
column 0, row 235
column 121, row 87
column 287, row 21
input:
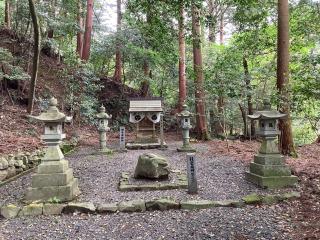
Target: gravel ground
column 219, row 178
column 217, row 223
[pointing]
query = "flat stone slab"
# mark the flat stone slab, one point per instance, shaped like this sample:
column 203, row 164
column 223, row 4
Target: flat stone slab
column 53, row 209
column 229, row 203
column 86, row 207
column 125, row 184
column 162, row 204
column 196, row 204
column 188, row 149
column 135, row 146
column 107, row 208
column 132, row 206
column 33, row 209
column 10, row 211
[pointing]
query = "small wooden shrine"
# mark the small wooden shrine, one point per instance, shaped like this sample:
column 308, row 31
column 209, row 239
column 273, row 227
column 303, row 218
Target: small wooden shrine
column 145, row 113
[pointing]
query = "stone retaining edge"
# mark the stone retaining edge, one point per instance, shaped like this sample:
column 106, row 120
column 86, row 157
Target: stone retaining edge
column 162, row 204
column 15, row 177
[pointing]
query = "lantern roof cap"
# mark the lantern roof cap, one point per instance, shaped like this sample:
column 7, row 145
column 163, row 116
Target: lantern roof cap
column 267, row 112
column 102, row 114
column 52, row 114
column 185, row 112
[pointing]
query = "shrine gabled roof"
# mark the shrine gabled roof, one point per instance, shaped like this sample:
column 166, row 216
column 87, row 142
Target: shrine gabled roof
column 146, row 105
column 269, row 114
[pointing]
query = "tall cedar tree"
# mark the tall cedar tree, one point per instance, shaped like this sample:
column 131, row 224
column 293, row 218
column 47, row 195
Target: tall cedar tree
column 36, row 54
column 286, row 139
column 197, row 64
column 247, row 78
column 182, row 58
column 80, row 34
column 118, row 67
column 88, row 30
column 7, row 14
column 216, row 11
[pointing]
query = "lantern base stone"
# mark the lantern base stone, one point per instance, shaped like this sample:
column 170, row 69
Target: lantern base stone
column 134, row 145
column 186, row 149
column 53, row 167
column 271, row 182
column 104, row 151
column 62, row 193
column 269, row 159
column 269, row 170
column 56, row 179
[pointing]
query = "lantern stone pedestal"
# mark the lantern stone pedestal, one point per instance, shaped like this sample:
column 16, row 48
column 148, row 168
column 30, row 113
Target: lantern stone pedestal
column 185, row 116
column 53, row 178
column 268, row 170
column 103, row 118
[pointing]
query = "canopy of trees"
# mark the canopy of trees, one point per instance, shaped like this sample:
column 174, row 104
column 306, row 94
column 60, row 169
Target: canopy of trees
column 222, row 57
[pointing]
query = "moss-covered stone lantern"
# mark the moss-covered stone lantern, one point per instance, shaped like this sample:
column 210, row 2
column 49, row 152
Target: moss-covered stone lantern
column 268, row 169
column 53, row 178
column 103, row 121
column 185, row 118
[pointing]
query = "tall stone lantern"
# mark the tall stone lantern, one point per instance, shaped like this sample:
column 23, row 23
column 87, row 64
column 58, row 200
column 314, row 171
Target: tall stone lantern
column 53, row 178
column 103, row 120
column 268, row 170
column 185, row 118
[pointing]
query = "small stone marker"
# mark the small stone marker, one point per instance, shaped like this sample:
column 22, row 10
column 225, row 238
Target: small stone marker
column 161, row 133
column 122, row 138
column 192, row 176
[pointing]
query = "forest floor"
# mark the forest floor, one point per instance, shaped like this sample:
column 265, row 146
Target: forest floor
column 220, row 177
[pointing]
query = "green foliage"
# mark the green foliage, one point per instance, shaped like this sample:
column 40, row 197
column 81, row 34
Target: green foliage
column 54, row 200
column 81, row 88
column 5, row 55
column 12, row 72
column 149, row 35
column 303, row 132
column 2, row 7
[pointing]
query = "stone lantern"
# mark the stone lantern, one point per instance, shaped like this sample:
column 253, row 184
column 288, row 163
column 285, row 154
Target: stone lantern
column 185, row 118
column 53, row 178
column 268, row 170
column 103, row 120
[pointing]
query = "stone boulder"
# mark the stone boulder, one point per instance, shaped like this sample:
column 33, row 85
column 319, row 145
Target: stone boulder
column 3, row 168
column 3, row 163
column 11, row 172
column 11, row 160
column 152, row 166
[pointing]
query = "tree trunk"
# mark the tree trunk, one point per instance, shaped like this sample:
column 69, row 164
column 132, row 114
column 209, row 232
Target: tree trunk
column 212, row 21
column 201, row 123
column 7, row 14
column 286, row 139
column 36, row 55
column 247, row 79
column 145, row 85
column 244, row 119
column 182, row 59
column 80, row 32
column 221, row 32
column 219, row 131
column 87, row 35
column 52, row 13
column 117, row 73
